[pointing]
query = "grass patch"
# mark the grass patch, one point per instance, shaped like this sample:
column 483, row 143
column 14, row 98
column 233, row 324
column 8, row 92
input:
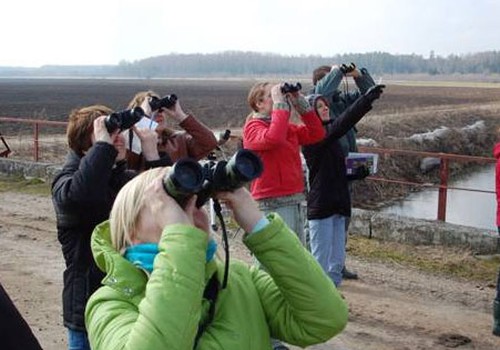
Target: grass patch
column 20, row 184
column 455, row 262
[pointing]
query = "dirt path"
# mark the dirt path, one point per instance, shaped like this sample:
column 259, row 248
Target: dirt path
column 391, row 307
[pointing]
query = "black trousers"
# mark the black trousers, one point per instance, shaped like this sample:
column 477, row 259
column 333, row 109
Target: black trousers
column 16, row 334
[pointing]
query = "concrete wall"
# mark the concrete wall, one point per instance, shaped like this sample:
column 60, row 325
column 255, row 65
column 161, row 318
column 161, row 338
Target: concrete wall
column 391, row 227
column 44, row 171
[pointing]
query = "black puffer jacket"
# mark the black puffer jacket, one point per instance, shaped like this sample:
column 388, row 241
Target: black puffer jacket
column 328, row 186
column 15, row 331
column 83, row 194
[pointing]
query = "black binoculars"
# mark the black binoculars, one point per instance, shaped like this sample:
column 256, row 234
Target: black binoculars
column 123, row 120
column 287, row 87
column 188, row 177
column 164, row 102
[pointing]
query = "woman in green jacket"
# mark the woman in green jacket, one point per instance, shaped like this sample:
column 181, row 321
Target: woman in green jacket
column 162, row 290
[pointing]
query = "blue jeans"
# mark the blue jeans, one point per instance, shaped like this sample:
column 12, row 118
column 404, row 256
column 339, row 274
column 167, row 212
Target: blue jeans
column 77, row 340
column 328, row 245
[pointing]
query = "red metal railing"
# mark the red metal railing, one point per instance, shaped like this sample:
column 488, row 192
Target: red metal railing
column 36, row 130
column 445, row 158
column 443, row 171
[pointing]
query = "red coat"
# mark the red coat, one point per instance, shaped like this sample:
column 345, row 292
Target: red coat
column 277, row 142
column 496, row 154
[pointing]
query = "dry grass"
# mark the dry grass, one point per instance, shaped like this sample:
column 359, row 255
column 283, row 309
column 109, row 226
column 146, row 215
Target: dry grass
column 20, row 184
column 441, row 260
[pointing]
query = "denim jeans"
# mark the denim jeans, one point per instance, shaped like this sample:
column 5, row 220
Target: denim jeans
column 328, row 245
column 77, row 340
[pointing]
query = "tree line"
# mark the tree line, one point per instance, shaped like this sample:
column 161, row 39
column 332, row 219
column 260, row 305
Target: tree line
column 238, row 63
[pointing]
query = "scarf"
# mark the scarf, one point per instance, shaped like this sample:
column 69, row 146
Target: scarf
column 143, row 255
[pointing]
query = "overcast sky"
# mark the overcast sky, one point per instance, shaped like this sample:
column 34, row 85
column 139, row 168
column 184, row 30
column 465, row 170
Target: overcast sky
column 38, row 32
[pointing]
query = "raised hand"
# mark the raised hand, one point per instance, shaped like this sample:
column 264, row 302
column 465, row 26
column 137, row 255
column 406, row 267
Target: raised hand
column 374, row 92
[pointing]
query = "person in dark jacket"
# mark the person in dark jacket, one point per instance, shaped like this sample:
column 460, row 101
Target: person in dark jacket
column 16, row 334
column 328, row 200
column 82, row 194
column 327, row 81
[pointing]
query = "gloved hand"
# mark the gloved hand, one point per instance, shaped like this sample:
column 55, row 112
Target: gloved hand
column 374, row 92
column 347, row 68
column 300, row 103
column 277, row 95
column 361, row 172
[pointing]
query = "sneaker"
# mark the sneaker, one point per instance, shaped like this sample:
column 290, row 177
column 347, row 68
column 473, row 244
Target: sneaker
column 348, row 275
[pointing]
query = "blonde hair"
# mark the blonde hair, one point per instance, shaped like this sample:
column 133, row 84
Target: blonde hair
column 127, row 207
column 140, row 97
column 256, row 95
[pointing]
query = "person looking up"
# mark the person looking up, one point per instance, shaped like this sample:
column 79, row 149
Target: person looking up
column 328, row 199
column 327, row 81
column 83, row 192
column 195, row 140
column 163, row 286
column 269, row 132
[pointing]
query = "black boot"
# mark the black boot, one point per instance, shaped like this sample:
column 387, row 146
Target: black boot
column 496, row 318
column 348, row 275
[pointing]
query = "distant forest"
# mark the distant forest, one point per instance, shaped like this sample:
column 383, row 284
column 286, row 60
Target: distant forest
column 246, row 64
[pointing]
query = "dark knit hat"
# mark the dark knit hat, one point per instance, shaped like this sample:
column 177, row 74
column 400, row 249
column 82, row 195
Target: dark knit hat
column 313, row 101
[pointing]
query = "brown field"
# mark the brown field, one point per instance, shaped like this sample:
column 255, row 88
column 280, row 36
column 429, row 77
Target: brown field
column 222, row 103
column 404, row 109
column 392, row 306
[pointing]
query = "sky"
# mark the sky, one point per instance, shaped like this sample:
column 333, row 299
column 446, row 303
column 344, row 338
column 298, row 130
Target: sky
column 92, row 32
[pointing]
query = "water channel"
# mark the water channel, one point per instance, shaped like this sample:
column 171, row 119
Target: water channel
column 476, row 209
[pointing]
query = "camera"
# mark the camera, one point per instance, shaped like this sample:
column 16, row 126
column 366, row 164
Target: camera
column 287, row 87
column 188, row 177
column 123, row 120
column 164, row 102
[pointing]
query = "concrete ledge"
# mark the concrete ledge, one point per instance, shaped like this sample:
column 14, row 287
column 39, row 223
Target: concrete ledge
column 391, row 227
column 44, row 171
column 387, row 227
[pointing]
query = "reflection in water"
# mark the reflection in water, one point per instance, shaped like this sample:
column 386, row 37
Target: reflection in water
column 476, row 209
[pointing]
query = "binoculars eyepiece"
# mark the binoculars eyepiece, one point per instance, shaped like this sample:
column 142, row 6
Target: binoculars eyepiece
column 123, row 120
column 288, row 87
column 164, row 102
column 188, row 177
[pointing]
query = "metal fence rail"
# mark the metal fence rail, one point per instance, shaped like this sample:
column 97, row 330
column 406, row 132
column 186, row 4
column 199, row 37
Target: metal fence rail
column 445, row 159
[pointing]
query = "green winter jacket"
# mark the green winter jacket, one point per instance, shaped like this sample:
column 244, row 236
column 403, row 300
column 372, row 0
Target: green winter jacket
column 293, row 301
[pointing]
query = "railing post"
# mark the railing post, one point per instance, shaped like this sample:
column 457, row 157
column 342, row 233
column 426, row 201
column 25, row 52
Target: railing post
column 35, row 141
column 443, row 189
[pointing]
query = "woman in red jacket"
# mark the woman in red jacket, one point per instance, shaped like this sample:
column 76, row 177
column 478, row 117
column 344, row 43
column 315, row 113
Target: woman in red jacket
column 269, row 132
